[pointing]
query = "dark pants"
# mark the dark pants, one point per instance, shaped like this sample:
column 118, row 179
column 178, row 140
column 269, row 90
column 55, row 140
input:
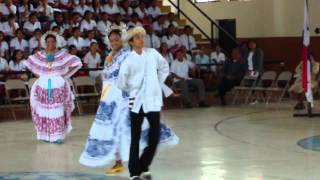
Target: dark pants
column 186, row 85
column 138, row 165
column 226, row 85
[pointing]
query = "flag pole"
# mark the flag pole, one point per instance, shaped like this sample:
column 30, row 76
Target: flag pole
column 306, row 66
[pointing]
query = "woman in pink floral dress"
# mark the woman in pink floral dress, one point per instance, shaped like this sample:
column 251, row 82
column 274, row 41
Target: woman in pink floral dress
column 51, row 97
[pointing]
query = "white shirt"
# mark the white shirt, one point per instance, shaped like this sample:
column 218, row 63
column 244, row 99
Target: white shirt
column 155, row 41
column 181, row 69
column 133, row 24
column 167, row 23
column 103, row 27
column 123, row 12
column 142, row 75
column 3, row 64
column 49, row 10
column 32, row 27
column 85, row 25
column 7, row 30
column 62, row 28
column 220, row 58
column 154, row 12
column 158, row 27
column 18, row 45
column 188, row 42
column 81, row 10
column 89, row 41
column 79, row 43
column 33, row 43
column 92, row 62
column 171, row 40
column 168, row 57
column 141, row 13
column 250, row 64
column 3, row 47
column 5, row 10
column 111, row 10
column 17, row 66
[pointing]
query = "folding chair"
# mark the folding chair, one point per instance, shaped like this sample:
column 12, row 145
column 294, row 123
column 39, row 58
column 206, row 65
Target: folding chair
column 83, row 81
column 280, row 87
column 31, row 82
column 247, row 83
column 266, row 81
column 16, row 84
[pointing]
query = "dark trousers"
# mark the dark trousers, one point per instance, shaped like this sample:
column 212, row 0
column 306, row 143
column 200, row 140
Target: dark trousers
column 226, row 85
column 138, row 165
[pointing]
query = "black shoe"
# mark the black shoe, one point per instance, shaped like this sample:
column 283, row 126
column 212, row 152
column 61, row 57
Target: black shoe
column 203, row 104
column 146, row 176
column 299, row 106
column 135, row 178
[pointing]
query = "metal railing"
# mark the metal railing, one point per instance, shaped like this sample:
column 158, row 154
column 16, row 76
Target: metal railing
column 213, row 24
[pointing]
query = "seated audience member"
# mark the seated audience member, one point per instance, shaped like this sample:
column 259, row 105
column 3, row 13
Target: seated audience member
column 35, row 41
column 135, row 21
column 255, row 60
column 187, row 39
column 97, row 8
column 141, row 10
column 151, row 39
column 62, row 41
column 164, row 51
column 125, row 9
column 180, row 72
column 171, row 21
column 158, row 25
column 19, row 43
column 66, row 5
column 8, row 8
column 78, row 41
column 9, row 27
column 296, row 90
column 104, row 24
column 91, row 38
column 17, row 63
column 88, row 23
column 24, row 10
column 202, row 60
column 154, row 10
column 93, row 60
column 217, row 55
column 111, row 8
column 4, row 47
column 4, row 67
column 45, row 11
column 232, row 74
column 118, row 23
column 75, row 20
column 171, row 39
column 30, row 26
column 81, row 8
column 60, row 22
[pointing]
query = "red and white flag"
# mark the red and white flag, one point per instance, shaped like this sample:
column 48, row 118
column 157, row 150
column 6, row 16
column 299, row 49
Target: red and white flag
column 306, row 60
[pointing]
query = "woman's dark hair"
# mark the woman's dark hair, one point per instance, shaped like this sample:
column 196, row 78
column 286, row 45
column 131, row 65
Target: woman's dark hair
column 1, row 33
column 161, row 46
column 71, row 47
column 114, row 31
column 15, row 52
column 51, row 36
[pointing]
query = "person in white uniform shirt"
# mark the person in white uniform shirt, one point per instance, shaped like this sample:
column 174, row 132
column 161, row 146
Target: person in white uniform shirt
column 111, row 8
column 134, row 21
column 141, row 10
column 180, row 72
column 218, row 56
column 88, row 23
column 187, row 40
column 77, row 41
column 164, row 51
column 17, row 62
column 30, row 26
column 35, row 41
column 19, row 43
column 125, row 9
column 154, row 9
column 151, row 39
column 4, row 47
column 142, row 74
column 9, row 27
column 8, row 8
column 171, row 39
column 104, row 24
column 171, row 20
column 82, row 8
column 92, row 60
column 3, row 65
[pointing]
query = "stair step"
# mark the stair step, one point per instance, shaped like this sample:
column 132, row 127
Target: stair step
column 181, row 22
column 197, row 37
column 165, row 9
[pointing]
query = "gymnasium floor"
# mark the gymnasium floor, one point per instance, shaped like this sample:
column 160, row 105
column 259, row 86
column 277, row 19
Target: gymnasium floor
column 231, row 143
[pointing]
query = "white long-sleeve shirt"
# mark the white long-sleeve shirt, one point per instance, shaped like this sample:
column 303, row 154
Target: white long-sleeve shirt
column 143, row 75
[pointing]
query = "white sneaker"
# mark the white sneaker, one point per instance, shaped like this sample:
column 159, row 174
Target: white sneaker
column 135, row 178
column 146, row 176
